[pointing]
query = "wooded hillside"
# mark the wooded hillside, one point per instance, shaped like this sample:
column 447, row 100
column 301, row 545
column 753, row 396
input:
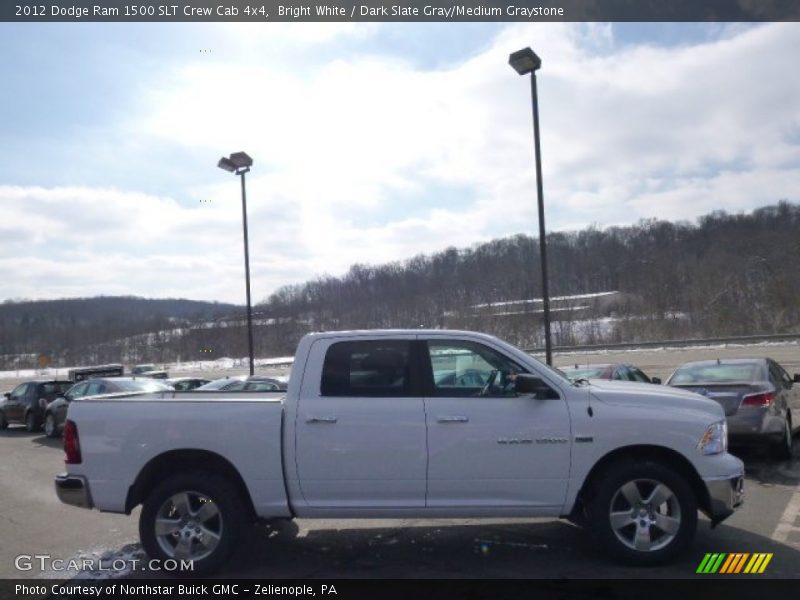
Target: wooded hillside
column 723, row 275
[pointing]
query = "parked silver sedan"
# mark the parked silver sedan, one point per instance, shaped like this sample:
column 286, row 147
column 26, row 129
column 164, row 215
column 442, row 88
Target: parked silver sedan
column 761, row 401
column 242, row 383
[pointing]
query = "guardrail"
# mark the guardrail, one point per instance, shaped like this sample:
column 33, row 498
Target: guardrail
column 741, row 339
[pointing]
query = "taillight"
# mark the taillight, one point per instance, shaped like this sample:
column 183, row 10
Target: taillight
column 72, row 446
column 760, row 400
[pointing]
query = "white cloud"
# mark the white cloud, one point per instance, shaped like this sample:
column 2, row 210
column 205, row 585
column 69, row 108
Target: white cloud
column 346, row 145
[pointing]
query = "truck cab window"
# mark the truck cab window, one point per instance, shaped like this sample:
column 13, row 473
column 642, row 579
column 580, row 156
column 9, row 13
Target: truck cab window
column 369, row 368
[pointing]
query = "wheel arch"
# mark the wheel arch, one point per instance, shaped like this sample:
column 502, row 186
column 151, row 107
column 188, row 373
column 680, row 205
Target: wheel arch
column 660, row 454
column 169, row 463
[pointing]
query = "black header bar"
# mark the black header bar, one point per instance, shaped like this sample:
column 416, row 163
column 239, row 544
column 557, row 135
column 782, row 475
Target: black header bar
column 259, row 11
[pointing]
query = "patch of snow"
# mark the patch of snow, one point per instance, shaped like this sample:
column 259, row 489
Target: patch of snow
column 552, row 299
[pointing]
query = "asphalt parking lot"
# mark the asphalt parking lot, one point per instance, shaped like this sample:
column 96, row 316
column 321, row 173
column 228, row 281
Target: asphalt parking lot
column 33, row 522
column 38, row 524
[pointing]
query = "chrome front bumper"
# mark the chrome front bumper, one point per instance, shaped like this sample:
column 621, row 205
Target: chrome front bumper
column 725, row 494
column 74, row 490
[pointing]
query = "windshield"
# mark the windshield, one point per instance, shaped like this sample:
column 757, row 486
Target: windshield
column 715, row 373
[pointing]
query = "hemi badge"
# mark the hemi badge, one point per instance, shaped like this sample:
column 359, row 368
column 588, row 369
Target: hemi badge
column 584, row 439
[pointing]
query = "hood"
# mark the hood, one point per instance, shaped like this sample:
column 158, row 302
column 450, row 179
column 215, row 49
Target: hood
column 650, row 395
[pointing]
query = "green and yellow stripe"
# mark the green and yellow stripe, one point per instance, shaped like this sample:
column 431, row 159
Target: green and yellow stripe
column 734, row 563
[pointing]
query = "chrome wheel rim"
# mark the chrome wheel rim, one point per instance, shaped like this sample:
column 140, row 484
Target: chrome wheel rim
column 188, row 526
column 645, row 515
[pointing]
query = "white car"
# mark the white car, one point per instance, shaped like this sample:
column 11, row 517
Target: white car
column 366, row 430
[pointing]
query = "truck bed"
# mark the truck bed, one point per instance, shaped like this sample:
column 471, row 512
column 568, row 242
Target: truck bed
column 121, row 435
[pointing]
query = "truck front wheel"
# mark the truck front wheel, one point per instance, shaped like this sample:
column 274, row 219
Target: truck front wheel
column 643, row 513
column 193, row 517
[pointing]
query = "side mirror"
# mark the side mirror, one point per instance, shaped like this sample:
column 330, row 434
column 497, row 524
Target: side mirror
column 530, row 384
column 656, row 380
column 7, row 395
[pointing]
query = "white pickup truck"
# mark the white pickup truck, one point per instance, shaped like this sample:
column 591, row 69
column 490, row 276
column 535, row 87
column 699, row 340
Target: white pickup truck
column 406, row 423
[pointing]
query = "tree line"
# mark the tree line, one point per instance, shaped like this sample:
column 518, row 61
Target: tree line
column 725, row 274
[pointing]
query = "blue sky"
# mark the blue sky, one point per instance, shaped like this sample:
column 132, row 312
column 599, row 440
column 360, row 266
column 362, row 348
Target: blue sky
column 372, row 143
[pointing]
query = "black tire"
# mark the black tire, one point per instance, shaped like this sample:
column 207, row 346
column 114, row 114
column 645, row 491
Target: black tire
column 3, row 422
column 784, row 450
column 226, row 524
column 32, row 424
column 678, row 512
column 50, row 427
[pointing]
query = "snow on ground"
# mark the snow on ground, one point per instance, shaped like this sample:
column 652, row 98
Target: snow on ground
column 220, row 364
column 687, row 348
column 225, row 364
column 552, row 299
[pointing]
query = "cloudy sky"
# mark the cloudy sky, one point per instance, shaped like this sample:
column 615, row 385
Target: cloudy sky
column 372, row 143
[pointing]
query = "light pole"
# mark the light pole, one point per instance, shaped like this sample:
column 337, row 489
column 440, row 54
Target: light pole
column 239, row 163
column 526, row 61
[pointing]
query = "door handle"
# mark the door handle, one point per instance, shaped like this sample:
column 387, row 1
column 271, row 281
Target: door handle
column 453, row 419
column 321, row 420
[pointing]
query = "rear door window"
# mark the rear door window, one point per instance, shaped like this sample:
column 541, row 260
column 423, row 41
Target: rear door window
column 779, row 376
column 637, row 375
column 374, row 368
column 54, row 388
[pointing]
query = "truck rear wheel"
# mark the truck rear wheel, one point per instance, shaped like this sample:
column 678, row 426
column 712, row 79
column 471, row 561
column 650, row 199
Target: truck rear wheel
column 192, row 517
column 643, row 513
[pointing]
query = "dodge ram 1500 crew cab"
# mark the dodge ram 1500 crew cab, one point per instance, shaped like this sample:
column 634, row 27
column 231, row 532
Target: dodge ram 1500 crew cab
column 406, row 424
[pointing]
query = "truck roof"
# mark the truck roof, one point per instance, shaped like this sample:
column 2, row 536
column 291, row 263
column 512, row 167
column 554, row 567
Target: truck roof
column 394, row 332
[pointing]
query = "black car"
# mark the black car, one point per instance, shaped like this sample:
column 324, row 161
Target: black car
column 27, row 403
column 56, row 413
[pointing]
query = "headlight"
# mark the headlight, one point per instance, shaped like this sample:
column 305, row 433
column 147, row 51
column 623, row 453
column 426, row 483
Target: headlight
column 715, row 439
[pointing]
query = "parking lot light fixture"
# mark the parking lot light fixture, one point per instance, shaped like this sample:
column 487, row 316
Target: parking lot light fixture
column 239, row 163
column 225, row 163
column 241, row 160
column 526, row 61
